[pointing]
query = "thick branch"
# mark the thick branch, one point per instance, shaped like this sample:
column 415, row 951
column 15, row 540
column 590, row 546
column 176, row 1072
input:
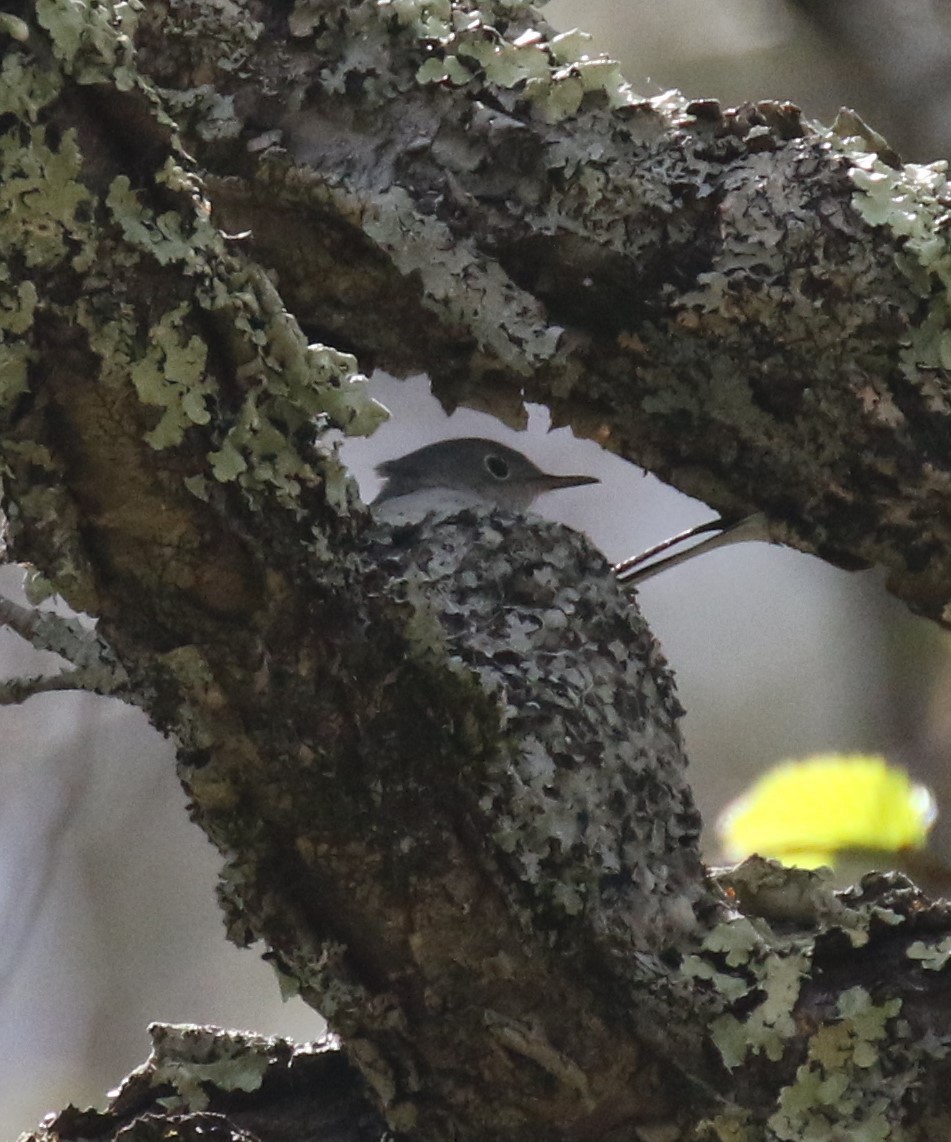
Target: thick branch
column 751, row 307
column 200, row 1081
column 443, row 762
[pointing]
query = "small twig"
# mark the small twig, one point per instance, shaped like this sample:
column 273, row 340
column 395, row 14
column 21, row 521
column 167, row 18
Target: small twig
column 45, row 630
column 13, row 691
column 96, row 668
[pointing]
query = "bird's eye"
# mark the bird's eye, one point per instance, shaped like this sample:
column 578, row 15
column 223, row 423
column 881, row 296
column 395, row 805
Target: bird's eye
column 496, row 466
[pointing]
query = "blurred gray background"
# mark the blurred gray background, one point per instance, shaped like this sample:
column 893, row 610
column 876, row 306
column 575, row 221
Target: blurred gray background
column 107, row 891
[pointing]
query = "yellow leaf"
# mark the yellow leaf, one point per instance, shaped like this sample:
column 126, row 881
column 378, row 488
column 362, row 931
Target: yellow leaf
column 805, row 812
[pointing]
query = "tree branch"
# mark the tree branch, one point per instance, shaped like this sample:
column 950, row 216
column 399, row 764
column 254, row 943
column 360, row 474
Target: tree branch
column 750, row 306
column 237, row 1086
column 443, row 762
column 46, row 630
column 14, row 691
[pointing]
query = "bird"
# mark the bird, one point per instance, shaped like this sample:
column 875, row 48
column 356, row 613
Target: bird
column 470, row 471
column 465, row 472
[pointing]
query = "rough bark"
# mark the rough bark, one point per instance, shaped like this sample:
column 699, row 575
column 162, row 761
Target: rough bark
column 751, row 307
column 442, row 762
column 199, row 1081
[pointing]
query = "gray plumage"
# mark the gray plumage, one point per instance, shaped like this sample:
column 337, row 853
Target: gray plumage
column 470, row 470
column 454, row 474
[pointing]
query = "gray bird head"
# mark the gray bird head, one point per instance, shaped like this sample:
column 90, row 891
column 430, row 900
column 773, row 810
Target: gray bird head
column 470, row 470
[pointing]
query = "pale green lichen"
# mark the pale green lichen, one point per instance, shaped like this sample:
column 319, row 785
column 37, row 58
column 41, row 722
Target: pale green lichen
column 554, row 75
column 770, row 1025
column 36, row 587
column 43, row 500
column 213, row 114
column 14, row 372
column 170, row 375
column 931, row 957
column 427, row 19
column 26, row 88
column 50, row 218
column 734, row 943
column 169, row 237
column 186, row 1057
column 93, row 41
column 443, row 69
column 42, row 197
column 44, row 201
column 733, row 1125
column 913, row 202
column 289, row 986
column 745, row 958
column 571, row 46
column 219, row 36
column 289, row 387
column 508, row 321
column 111, row 334
column 731, row 987
column 17, row 307
column 507, row 64
column 842, row 1085
column 557, row 100
column 584, row 187
column 561, row 95
column 845, row 1087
